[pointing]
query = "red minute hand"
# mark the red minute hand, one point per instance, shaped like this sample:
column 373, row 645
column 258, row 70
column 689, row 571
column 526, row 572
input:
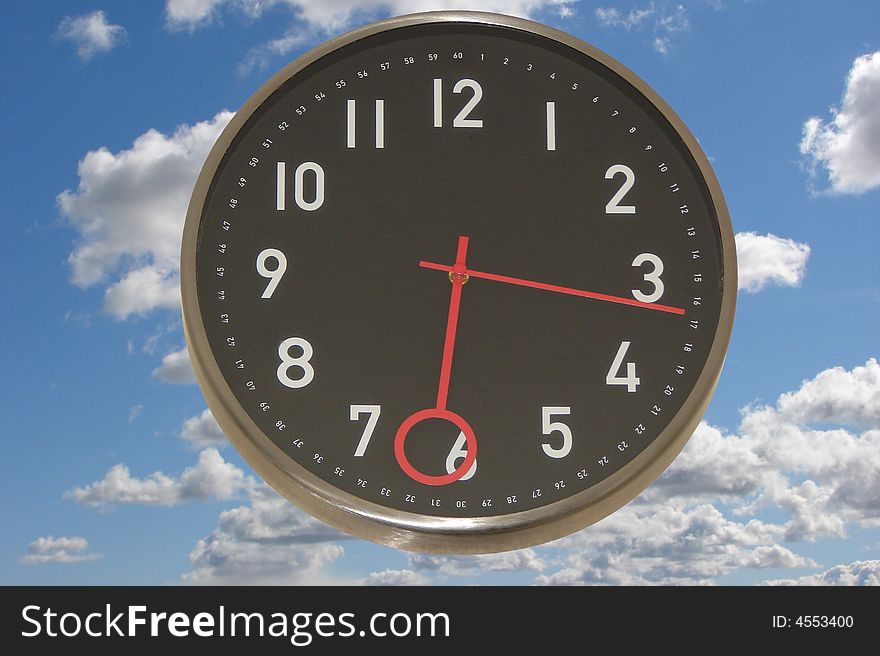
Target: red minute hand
column 553, row 288
column 457, row 280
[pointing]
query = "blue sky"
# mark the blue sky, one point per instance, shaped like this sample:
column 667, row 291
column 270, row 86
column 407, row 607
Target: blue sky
column 112, row 471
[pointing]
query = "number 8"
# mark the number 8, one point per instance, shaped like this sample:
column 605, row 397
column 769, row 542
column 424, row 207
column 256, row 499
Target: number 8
column 301, row 361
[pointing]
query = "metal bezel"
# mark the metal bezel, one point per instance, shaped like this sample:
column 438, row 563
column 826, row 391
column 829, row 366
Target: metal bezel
column 413, row 531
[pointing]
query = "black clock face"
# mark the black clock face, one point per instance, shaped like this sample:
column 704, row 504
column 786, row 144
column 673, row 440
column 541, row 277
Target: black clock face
column 459, row 270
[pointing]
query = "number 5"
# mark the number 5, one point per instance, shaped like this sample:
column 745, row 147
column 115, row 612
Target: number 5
column 548, row 426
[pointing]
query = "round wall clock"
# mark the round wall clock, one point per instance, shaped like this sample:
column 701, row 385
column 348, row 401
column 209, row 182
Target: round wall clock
column 457, row 282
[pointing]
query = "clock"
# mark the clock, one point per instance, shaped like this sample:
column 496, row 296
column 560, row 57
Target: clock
column 457, row 282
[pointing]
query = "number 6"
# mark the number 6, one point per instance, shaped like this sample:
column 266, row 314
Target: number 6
column 459, row 451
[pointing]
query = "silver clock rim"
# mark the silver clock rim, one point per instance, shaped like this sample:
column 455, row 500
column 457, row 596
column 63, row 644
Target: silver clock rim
column 412, row 531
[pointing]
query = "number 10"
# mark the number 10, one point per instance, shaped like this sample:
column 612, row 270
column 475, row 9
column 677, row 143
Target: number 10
column 298, row 186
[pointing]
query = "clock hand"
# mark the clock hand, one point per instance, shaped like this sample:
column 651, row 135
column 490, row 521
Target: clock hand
column 458, row 277
column 464, row 274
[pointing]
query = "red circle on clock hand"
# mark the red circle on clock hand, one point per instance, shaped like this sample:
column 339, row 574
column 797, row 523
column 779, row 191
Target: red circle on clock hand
column 435, row 413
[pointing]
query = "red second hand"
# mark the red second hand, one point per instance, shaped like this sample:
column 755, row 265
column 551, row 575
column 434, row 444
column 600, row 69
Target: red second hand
column 551, row 288
column 459, row 271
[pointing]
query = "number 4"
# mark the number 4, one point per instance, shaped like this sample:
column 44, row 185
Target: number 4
column 630, row 380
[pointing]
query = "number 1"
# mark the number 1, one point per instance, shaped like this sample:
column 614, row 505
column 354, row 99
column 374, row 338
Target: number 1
column 551, row 125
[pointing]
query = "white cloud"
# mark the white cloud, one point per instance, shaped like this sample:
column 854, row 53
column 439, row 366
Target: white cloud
column 338, row 14
column 566, row 10
column 202, row 430
column 703, row 518
column 142, row 290
column 129, row 208
column 822, row 480
column 696, row 475
column 58, row 550
column 135, row 411
column 768, row 259
column 612, row 17
column 661, row 18
column 91, row 34
column 190, row 14
column 176, row 368
column 309, row 18
column 210, row 478
column 848, row 146
column 266, row 542
column 511, row 561
column 848, row 397
column 861, row 572
column 663, row 543
column 394, row 577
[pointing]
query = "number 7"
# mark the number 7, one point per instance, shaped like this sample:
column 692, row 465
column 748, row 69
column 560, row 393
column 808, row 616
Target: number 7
column 354, row 414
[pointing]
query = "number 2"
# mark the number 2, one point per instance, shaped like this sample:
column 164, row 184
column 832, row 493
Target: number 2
column 614, row 206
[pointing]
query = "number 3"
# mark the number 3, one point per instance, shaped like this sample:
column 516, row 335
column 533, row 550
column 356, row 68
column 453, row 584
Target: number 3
column 302, row 361
column 652, row 277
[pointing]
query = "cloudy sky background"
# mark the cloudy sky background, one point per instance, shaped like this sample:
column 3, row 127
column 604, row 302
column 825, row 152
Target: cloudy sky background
column 113, row 470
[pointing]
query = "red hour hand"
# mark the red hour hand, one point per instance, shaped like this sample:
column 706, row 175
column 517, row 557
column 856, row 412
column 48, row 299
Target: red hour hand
column 471, row 273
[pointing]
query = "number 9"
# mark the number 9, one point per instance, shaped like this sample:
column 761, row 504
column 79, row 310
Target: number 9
column 274, row 275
